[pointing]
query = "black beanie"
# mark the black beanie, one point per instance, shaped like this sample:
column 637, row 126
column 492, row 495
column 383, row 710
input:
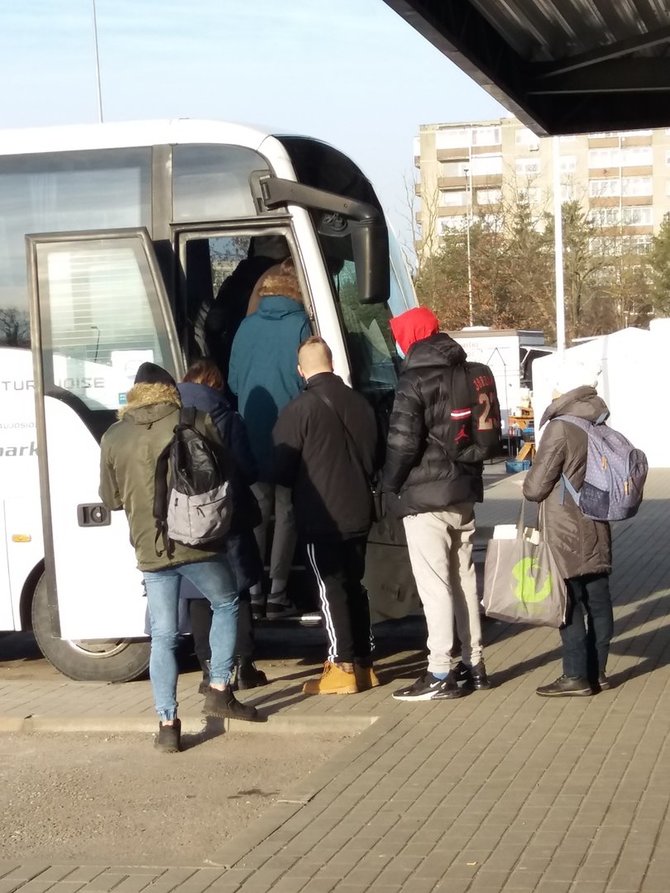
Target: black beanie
column 150, row 373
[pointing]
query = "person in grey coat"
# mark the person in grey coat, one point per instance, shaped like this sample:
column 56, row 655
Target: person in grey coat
column 582, row 547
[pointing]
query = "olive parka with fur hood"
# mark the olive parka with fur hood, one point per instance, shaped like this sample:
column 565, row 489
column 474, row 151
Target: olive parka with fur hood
column 580, row 546
column 129, row 451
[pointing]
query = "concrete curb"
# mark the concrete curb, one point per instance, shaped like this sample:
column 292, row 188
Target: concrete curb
column 192, row 725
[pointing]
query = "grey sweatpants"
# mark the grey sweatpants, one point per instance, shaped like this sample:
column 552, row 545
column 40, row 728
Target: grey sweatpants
column 440, row 549
column 278, row 501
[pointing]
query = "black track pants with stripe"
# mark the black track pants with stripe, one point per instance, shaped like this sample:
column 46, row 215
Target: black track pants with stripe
column 338, row 567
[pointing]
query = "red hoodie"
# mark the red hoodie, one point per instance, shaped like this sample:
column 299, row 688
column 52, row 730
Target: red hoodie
column 412, row 326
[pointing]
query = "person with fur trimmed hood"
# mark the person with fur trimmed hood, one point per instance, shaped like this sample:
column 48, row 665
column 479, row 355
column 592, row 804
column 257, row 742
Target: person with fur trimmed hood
column 129, row 452
column 582, row 547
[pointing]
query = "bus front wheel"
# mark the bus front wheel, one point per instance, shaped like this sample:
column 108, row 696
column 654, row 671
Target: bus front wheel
column 87, row 660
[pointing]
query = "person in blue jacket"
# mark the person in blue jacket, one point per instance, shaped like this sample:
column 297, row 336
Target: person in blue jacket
column 263, row 376
column 203, row 387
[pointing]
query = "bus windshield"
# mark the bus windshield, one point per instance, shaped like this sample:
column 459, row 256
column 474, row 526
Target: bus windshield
column 370, row 344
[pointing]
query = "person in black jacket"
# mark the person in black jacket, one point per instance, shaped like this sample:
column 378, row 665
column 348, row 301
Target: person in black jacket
column 203, row 387
column 325, row 445
column 435, row 497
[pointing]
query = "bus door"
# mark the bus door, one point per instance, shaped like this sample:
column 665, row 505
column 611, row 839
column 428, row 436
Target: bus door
column 219, row 268
column 98, row 310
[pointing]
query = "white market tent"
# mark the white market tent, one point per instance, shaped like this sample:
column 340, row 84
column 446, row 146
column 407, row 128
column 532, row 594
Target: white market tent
column 634, row 378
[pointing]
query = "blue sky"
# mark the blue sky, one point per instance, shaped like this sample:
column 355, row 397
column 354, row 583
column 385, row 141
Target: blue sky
column 351, row 72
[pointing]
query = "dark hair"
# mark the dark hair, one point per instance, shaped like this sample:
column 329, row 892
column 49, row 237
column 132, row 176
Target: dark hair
column 150, row 373
column 205, row 371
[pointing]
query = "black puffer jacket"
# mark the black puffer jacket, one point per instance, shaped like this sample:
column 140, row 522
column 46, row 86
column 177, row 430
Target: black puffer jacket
column 580, row 546
column 418, row 471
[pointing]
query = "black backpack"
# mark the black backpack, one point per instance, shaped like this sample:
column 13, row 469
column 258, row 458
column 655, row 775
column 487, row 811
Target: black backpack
column 474, row 431
column 193, row 502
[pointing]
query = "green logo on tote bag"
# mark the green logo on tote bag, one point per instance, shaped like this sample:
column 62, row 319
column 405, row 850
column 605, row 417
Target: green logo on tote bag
column 526, row 590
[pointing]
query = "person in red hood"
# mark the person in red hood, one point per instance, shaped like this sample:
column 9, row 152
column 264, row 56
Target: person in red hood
column 413, row 326
column 435, row 497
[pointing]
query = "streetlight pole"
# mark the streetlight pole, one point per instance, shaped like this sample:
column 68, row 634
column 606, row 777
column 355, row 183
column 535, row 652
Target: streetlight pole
column 620, row 246
column 468, row 191
column 558, row 247
column 97, row 63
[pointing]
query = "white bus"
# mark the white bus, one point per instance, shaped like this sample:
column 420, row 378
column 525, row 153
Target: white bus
column 121, row 243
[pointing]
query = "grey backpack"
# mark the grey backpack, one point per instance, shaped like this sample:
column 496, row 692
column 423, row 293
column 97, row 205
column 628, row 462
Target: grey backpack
column 615, row 473
column 193, row 502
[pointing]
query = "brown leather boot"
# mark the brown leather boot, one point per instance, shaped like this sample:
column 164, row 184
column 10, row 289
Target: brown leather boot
column 336, row 679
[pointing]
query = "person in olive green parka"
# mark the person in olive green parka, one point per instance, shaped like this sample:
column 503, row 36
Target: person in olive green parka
column 129, row 453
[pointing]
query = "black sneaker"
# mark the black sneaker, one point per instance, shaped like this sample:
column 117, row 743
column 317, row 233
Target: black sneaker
column 429, row 688
column 471, row 677
column 247, row 675
column 257, row 607
column 168, row 738
column 603, row 682
column 279, row 606
column 224, row 705
column 462, row 675
column 480, row 679
column 566, row 686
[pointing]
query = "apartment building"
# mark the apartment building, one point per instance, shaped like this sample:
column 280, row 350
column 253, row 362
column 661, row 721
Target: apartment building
column 473, row 169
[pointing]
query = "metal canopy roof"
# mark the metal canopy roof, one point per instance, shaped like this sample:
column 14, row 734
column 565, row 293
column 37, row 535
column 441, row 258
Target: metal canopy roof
column 561, row 66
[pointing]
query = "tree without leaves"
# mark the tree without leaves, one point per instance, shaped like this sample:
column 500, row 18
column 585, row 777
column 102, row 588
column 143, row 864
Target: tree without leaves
column 14, row 327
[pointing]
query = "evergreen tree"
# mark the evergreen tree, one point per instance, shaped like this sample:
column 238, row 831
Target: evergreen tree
column 659, row 259
column 607, row 281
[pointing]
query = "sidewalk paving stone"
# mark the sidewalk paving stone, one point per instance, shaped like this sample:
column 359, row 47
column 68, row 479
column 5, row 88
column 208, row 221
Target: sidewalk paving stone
column 499, row 792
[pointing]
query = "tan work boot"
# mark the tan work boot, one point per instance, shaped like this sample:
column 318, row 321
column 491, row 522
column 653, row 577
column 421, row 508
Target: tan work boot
column 365, row 677
column 336, row 679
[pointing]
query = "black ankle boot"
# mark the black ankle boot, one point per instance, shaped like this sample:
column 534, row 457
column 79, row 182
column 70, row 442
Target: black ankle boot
column 168, row 739
column 224, row 705
column 203, row 688
column 247, row 675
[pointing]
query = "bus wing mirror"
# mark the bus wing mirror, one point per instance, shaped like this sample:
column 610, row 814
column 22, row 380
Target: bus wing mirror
column 369, row 234
column 371, row 255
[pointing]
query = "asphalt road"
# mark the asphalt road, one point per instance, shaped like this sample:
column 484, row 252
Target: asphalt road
column 91, row 798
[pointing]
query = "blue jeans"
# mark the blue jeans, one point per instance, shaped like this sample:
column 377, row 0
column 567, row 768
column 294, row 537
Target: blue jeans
column 216, row 582
column 589, row 626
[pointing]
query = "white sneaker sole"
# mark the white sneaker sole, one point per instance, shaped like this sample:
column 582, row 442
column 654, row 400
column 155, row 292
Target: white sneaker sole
column 426, row 696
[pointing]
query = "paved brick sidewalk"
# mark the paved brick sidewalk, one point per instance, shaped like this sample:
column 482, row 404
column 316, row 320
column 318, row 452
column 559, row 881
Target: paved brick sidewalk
column 499, row 792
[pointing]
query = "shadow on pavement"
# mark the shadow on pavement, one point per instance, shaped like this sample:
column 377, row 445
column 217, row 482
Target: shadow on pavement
column 213, row 727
